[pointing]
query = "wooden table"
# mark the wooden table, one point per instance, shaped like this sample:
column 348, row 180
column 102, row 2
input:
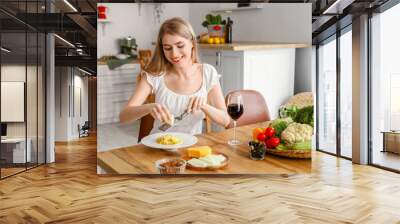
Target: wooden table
column 391, row 141
column 139, row 159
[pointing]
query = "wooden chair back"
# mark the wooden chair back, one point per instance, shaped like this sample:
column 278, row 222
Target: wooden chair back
column 146, row 122
column 144, row 58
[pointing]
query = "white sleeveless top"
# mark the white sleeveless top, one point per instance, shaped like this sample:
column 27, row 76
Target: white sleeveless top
column 177, row 103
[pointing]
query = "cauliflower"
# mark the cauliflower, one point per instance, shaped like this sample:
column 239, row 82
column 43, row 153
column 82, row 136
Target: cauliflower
column 297, row 132
column 280, row 124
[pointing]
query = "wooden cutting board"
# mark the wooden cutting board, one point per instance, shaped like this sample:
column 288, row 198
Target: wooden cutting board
column 208, row 168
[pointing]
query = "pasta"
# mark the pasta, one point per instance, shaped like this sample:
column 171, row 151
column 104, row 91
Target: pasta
column 168, row 140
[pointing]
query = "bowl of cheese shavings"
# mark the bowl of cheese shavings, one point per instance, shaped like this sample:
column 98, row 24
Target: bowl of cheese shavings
column 168, row 140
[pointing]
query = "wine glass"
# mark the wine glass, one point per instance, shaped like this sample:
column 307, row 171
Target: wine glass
column 235, row 110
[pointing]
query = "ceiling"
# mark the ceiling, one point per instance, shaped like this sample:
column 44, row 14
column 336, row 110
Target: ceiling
column 77, row 26
column 328, row 16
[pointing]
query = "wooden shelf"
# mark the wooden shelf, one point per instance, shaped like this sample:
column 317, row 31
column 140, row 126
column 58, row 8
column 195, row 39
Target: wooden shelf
column 243, row 46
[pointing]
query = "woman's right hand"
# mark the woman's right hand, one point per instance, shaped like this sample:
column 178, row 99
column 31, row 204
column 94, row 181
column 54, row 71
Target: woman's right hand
column 161, row 113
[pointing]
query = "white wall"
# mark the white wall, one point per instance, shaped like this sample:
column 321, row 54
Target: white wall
column 270, row 72
column 126, row 21
column 66, row 121
column 80, row 83
column 12, row 73
column 33, row 125
column 275, row 22
column 84, row 83
column 61, row 103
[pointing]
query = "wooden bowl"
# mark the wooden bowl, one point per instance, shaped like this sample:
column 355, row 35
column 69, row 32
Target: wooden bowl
column 208, row 168
column 294, row 154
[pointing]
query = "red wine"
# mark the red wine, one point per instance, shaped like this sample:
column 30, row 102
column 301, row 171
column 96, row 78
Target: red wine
column 235, row 111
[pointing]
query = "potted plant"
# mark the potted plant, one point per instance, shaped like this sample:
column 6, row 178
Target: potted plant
column 215, row 25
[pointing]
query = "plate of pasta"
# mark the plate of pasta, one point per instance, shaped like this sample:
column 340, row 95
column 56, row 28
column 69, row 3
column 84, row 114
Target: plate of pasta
column 169, row 140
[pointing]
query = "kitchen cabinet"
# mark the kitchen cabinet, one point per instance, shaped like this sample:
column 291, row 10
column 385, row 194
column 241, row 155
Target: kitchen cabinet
column 269, row 71
column 114, row 88
column 229, row 66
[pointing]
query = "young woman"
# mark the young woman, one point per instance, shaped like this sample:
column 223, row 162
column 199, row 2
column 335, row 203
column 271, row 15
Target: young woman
column 180, row 83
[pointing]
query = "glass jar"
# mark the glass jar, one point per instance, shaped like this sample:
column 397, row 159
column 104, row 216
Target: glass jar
column 170, row 166
column 257, row 150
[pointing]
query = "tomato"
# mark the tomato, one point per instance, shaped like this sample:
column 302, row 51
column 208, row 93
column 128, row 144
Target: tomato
column 272, row 142
column 269, row 132
column 257, row 131
column 261, row 137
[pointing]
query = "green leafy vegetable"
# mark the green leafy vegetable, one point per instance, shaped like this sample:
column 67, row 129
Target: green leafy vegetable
column 213, row 20
column 305, row 115
column 218, row 19
column 306, row 145
column 209, row 18
column 281, row 147
column 289, row 111
column 280, row 124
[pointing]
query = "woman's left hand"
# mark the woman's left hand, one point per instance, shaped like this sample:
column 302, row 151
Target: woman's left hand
column 196, row 103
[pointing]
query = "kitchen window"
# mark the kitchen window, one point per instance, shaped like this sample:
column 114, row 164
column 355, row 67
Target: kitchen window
column 385, row 89
column 346, row 92
column 334, row 100
column 326, row 60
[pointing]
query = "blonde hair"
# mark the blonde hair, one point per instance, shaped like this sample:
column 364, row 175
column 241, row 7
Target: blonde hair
column 174, row 26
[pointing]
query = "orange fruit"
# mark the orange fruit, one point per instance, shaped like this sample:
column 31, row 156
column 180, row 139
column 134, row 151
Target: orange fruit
column 210, row 40
column 204, row 39
column 217, row 40
column 222, row 40
column 256, row 132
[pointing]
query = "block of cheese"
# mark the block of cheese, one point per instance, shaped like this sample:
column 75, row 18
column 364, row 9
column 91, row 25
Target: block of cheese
column 207, row 161
column 198, row 152
column 213, row 160
column 197, row 163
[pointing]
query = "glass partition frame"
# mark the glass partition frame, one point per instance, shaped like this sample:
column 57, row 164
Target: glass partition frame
column 34, row 60
column 338, row 140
